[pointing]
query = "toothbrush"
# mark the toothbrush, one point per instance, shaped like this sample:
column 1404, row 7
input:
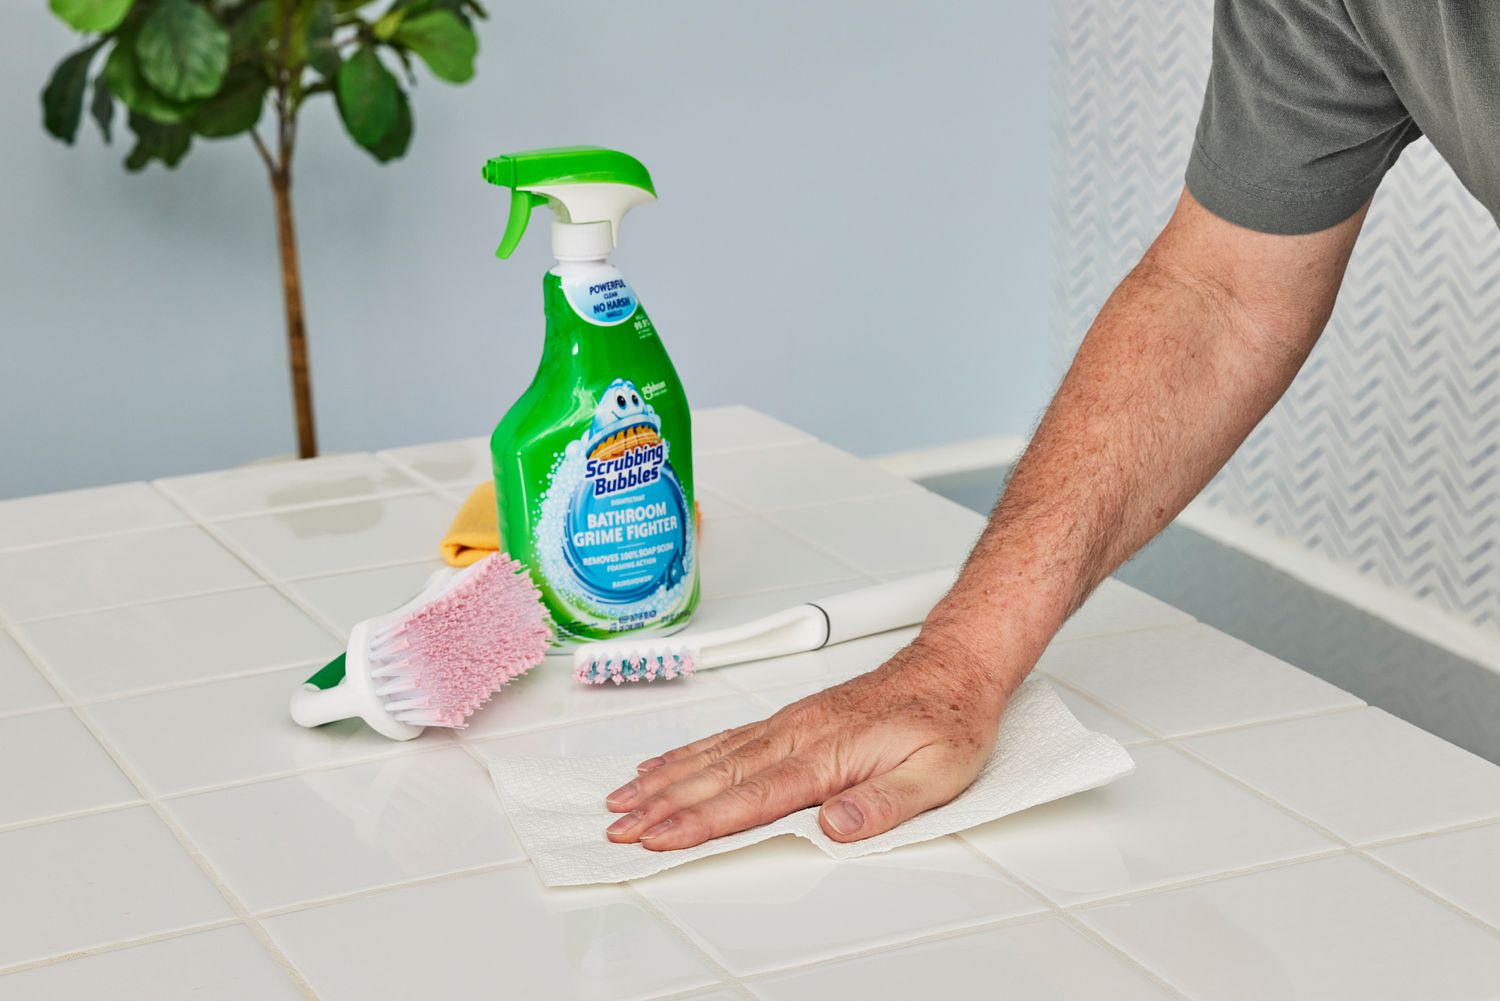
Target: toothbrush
column 811, row 626
column 436, row 659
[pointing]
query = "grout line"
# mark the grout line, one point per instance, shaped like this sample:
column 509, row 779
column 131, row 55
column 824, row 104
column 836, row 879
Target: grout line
column 54, row 818
column 119, row 945
column 94, row 536
column 153, row 600
column 679, row 930
column 376, row 891
column 236, row 906
column 175, row 686
column 1401, row 839
column 1251, row 724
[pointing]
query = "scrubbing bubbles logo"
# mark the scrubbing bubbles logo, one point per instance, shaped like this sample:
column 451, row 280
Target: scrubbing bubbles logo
column 615, row 527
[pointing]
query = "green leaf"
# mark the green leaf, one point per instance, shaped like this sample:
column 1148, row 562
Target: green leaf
column 322, row 53
column 445, row 44
column 103, row 108
column 91, row 15
column 236, row 107
column 62, row 99
column 183, row 50
column 350, row 6
column 388, row 23
column 394, row 145
column 249, row 31
column 123, row 75
column 368, row 98
column 156, row 141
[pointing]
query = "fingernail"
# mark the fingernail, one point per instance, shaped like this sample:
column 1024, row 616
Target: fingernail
column 646, row 766
column 625, row 794
column 660, row 828
column 625, row 823
column 844, row 817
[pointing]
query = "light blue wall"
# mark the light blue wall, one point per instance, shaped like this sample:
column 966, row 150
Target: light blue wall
column 852, row 236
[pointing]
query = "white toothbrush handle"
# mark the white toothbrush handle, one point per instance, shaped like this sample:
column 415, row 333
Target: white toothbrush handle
column 882, row 607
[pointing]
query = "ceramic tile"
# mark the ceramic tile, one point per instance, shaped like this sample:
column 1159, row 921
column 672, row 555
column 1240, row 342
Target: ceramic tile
column 322, row 540
column 645, row 733
column 347, row 598
column 1364, row 775
column 820, row 668
column 1042, row 960
column 1338, row 927
column 720, row 429
column 138, row 566
column 1101, row 720
column 713, row 506
column 1115, row 607
column 1170, row 820
column 900, row 534
column 223, row 964
column 465, row 462
column 499, row 928
column 341, row 830
column 75, row 514
column 88, row 881
column 721, row 612
column 50, row 764
column 21, row 684
column 548, row 695
column 1459, row 866
column 722, row 995
column 796, row 476
column 181, row 640
column 745, row 555
column 1189, row 678
column 280, row 484
column 784, row 903
column 229, row 731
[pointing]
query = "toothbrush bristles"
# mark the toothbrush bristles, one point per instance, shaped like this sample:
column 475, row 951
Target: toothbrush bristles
column 637, row 665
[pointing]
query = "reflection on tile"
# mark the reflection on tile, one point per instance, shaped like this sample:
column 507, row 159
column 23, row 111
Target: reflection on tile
column 1100, row 720
column 183, row 639
column 268, row 485
column 796, row 475
column 347, row 598
column 50, row 764
column 224, row 964
column 346, row 829
column 1364, row 775
column 138, row 566
column 548, row 695
column 21, row 684
column 645, row 733
column 324, row 540
column 30, row 521
column 784, row 903
column 465, row 462
column 1119, row 608
column 246, row 725
column 1170, row 820
column 1463, row 866
column 1041, row 960
column 1189, row 678
column 1338, row 927
column 900, row 534
column 88, row 881
column 733, row 552
column 500, row 928
column 720, row 429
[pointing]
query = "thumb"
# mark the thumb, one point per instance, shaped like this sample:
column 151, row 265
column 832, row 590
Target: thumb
column 929, row 777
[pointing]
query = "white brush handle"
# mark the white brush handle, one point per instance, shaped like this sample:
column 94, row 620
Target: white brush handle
column 883, row 607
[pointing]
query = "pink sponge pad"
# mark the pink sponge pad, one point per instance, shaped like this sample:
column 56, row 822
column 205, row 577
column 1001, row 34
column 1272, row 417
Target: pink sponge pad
column 443, row 661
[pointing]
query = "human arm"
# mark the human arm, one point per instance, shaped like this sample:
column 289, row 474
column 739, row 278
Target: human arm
column 1192, row 349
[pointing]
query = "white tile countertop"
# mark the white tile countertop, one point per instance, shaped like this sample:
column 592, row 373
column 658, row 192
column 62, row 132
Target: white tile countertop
column 167, row 833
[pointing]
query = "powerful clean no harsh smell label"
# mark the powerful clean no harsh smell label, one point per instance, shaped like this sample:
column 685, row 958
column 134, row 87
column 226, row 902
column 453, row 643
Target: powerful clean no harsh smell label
column 605, row 299
column 615, row 534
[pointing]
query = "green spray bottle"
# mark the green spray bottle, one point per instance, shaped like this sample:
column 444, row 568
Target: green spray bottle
column 594, row 463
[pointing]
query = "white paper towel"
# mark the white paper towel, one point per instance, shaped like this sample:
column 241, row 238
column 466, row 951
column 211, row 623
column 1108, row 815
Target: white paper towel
column 556, row 805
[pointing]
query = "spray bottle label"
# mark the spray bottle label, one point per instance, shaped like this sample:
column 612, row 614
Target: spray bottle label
column 615, row 535
column 604, row 300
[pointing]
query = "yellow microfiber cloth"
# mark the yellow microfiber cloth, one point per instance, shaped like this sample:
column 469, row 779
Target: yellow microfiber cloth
column 475, row 532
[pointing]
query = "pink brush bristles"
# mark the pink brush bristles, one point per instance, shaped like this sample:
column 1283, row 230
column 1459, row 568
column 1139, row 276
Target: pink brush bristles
column 638, row 665
column 438, row 665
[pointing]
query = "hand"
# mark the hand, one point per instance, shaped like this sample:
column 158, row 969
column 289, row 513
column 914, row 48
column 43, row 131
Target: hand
column 874, row 751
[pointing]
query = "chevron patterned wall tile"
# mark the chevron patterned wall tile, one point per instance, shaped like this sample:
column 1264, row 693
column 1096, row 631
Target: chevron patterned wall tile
column 1384, row 456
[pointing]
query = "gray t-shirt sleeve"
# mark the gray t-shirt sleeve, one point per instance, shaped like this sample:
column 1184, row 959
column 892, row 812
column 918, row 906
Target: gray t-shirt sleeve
column 1299, row 123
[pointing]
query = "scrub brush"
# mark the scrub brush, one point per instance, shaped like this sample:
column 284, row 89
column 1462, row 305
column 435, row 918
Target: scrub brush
column 436, row 659
column 811, row 626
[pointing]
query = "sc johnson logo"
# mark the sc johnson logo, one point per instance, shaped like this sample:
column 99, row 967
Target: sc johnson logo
column 652, row 390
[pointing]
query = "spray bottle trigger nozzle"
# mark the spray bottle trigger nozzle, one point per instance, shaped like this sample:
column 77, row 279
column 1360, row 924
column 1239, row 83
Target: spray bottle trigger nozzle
column 521, row 204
